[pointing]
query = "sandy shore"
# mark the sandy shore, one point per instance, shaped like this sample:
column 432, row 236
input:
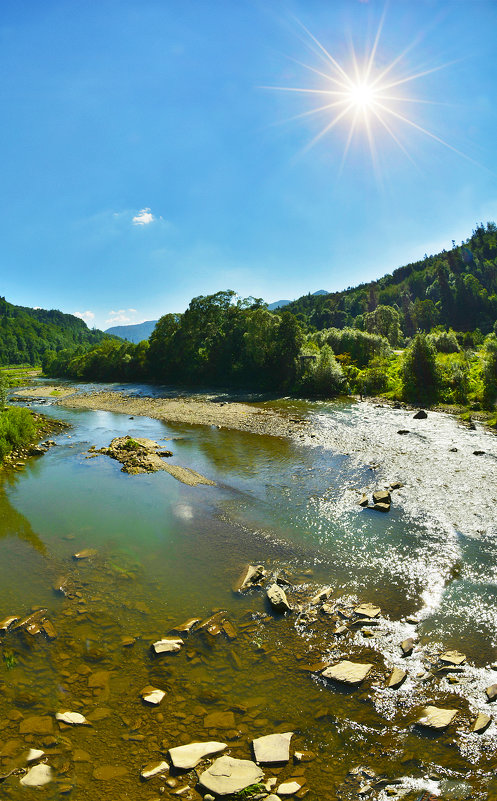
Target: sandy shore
column 233, row 415
column 43, row 392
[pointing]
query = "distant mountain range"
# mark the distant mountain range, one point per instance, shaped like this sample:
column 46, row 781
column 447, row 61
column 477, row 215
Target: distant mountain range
column 279, row 303
column 133, row 333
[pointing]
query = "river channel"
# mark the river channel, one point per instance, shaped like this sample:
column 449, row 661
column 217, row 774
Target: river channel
column 165, row 552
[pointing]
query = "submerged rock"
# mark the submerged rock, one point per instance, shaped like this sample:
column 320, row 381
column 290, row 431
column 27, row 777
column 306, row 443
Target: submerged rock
column 436, row 718
column 153, row 769
column 229, row 775
column 168, row 645
column 86, row 553
column 277, row 598
column 37, row 776
column 186, row 757
column 272, row 747
column 348, row 672
column 72, row 718
column 186, row 627
column 368, row 610
column 7, row 622
column 152, row 695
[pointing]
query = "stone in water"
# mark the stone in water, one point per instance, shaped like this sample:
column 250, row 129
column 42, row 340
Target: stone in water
column 169, row 645
column 229, row 775
column 272, row 747
column 188, row 756
column 72, row 718
column 348, row 672
column 434, row 717
column 152, row 695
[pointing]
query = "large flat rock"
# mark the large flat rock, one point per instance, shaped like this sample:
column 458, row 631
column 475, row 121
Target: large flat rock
column 37, row 776
column 272, row 747
column 348, row 672
column 186, row 757
column 229, row 775
column 434, row 717
column 168, row 645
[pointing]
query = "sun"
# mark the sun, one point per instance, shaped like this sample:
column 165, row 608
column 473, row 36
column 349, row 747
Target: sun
column 364, row 98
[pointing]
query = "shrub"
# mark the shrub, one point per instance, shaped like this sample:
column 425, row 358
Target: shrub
column 324, row 376
column 420, row 374
column 17, row 428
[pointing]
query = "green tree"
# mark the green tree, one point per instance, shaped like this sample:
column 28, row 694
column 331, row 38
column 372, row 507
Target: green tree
column 420, row 375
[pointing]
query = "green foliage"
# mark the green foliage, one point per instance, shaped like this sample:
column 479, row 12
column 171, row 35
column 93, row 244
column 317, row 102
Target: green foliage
column 9, row 659
column 3, row 391
column 17, row 428
column 323, row 375
column 27, row 334
column 248, row 792
column 444, row 341
column 489, row 371
column 132, row 445
column 385, row 322
column 420, row 374
column 361, row 346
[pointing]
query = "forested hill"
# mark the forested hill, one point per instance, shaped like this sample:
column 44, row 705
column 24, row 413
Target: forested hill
column 455, row 288
column 27, row 334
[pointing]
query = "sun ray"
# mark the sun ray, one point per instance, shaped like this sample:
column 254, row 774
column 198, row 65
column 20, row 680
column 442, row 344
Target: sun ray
column 352, row 128
column 394, row 137
column 326, row 129
column 375, row 47
column 310, row 112
column 328, row 55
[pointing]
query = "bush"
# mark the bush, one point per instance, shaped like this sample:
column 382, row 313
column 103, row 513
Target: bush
column 323, row 377
column 444, row 341
column 489, row 371
column 360, row 345
column 17, row 428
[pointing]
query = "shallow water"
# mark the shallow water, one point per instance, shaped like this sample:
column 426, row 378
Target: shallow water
column 166, row 551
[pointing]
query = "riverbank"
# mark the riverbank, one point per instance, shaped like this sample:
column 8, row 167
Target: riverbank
column 43, row 426
column 208, row 412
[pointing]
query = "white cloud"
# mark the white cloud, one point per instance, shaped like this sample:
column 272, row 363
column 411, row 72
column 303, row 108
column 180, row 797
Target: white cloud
column 121, row 317
column 87, row 315
column 133, row 311
column 144, row 217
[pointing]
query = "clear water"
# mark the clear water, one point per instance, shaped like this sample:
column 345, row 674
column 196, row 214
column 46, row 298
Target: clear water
column 166, row 552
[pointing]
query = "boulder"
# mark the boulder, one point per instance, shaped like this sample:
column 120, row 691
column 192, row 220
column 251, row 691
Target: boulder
column 452, row 658
column 186, row 757
column 436, row 718
column 37, row 776
column 397, row 677
column 185, row 628
column 7, row 622
column 72, row 718
column 228, row 775
column 403, row 431
column 348, row 672
column 381, row 507
column 395, row 485
column 420, row 415
column 363, row 500
column 153, row 769
column 168, row 645
column 491, row 692
column 382, row 496
column 152, row 695
column 272, row 747
column 277, row 598
column 481, row 723
column 250, row 576
column 368, row 610
column 322, row 595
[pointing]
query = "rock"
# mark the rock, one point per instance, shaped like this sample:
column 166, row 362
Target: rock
column 228, row 775
column 153, row 769
column 368, row 610
column 229, row 629
column 152, row 695
column 277, row 598
column 72, row 718
column 107, row 773
column 491, row 692
column 37, row 776
column 186, row 757
column 38, row 724
column 168, row 645
column 420, row 415
column 251, row 575
column 395, row 485
column 49, row 630
column 453, row 658
column 436, row 718
column 304, row 756
column 407, row 646
column 86, row 553
column 186, row 627
column 397, row 677
column 340, row 630
column 382, row 496
column 453, row 450
column 381, row 507
column 363, row 500
column 272, row 747
column 291, row 786
column 478, row 453
column 34, row 753
column 220, row 720
column 348, row 672
column 7, row 622
column 322, row 595
column 481, row 723
column 403, row 431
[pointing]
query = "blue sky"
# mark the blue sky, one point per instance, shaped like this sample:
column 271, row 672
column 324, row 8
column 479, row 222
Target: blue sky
column 144, row 162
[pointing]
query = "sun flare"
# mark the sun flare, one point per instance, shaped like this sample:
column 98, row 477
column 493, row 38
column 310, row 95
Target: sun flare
column 362, row 97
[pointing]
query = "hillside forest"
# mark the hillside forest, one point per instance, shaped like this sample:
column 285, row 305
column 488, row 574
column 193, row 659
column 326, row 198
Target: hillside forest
column 425, row 333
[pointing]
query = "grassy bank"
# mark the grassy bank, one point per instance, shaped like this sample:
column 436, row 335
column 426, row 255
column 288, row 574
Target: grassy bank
column 20, row 429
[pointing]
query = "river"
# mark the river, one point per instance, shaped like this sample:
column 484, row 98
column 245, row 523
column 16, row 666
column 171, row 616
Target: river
column 166, row 552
